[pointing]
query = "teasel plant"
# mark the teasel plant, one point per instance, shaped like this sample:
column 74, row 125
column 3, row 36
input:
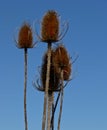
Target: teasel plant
column 60, row 70
column 51, row 32
column 24, row 41
column 62, row 65
column 54, row 86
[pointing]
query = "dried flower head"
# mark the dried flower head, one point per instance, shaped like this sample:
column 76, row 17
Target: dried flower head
column 54, row 81
column 50, row 27
column 25, row 37
column 61, row 61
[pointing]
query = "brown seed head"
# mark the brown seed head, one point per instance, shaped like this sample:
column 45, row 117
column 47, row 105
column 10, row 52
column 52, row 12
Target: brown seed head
column 25, row 37
column 61, row 61
column 54, row 78
column 50, row 27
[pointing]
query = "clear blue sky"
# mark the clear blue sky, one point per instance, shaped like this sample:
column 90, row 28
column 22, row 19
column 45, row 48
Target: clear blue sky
column 85, row 98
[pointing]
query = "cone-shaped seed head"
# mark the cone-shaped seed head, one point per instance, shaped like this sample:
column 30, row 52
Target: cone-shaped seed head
column 54, row 78
column 62, row 62
column 25, row 37
column 50, row 27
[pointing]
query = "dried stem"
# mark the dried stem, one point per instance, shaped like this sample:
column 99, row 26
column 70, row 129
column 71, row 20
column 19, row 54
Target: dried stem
column 50, row 102
column 54, row 109
column 46, row 86
column 52, row 121
column 25, row 88
column 61, row 101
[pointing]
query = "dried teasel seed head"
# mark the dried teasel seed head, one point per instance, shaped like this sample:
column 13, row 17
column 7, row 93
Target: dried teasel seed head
column 61, row 61
column 25, row 36
column 54, row 78
column 50, row 27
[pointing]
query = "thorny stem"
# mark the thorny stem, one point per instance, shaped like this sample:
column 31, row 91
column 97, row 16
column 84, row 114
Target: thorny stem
column 25, row 88
column 61, row 101
column 46, row 86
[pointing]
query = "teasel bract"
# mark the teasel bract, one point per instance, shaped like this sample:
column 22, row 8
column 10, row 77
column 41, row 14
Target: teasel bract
column 25, row 41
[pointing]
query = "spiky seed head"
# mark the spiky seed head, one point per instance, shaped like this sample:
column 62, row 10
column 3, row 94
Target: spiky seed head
column 61, row 61
column 54, row 78
column 50, row 27
column 25, row 36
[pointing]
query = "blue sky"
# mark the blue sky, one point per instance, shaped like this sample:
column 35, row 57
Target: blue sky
column 85, row 98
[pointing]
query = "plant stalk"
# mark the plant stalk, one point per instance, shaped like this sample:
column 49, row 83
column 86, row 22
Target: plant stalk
column 46, row 87
column 61, row 101
column 53, row 110
column 25, row 88
column 49, row 114
column 52, row 121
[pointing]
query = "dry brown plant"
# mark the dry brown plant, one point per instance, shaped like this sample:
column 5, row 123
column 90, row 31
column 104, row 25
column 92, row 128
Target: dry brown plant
column 25, row 41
